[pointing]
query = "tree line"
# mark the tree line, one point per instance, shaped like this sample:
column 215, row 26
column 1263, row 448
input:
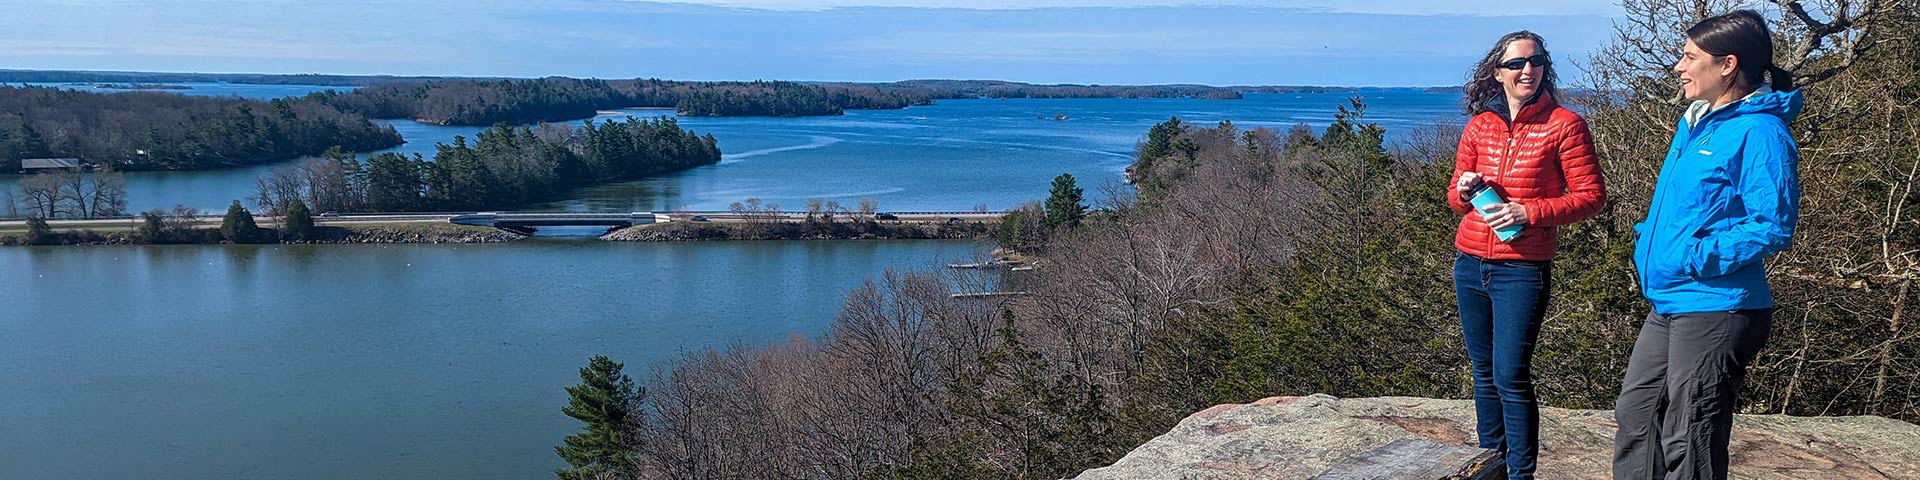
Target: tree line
column 485, row 102
column 68, row 76
column 503, row 166
column 162, row 131
column 1253, row 263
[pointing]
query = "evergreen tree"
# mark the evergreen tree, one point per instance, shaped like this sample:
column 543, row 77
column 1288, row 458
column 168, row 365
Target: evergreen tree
column 38, row 232
column 299, row 222
column 1063, row 205
column 607, row 401
column 238, row 226
column 1009, row 231
column 1163, row 140
column 1160, row 140
column 1365, row 142
column 393, row 183
column 152, row 229
column 471, row 181
column 1044, row 423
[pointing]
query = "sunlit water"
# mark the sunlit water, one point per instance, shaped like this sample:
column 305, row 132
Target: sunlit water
column 953, row 155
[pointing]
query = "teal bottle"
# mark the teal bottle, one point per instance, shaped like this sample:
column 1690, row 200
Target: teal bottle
column 1484, row 198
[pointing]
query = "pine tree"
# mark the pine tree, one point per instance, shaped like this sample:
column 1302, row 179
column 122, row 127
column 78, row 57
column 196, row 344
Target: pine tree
column 607, row 401
column 38, row 232
column 299, row 223
column 152, row 229
column 238, row 226
column 1063, row 205
column 393, row 183
column 1009, row 232
column 1160, row 140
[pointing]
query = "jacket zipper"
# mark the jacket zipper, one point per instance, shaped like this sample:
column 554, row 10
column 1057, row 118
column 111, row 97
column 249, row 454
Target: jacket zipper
column 1692, row 138
column 1506, row 166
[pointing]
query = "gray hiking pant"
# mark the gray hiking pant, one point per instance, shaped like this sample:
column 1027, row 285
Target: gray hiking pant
column 1676, row 405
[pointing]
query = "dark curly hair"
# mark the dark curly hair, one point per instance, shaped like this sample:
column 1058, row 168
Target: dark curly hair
column 1482, row 86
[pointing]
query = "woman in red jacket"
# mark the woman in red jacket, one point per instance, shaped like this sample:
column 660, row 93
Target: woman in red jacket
column 1538, row 157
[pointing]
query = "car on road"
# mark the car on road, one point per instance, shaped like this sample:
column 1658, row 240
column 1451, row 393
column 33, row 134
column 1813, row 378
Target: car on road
column 330, row 214
column 885, row 216
column 698, row 218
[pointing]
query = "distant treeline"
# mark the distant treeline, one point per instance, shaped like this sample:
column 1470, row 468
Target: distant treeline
column 60, row 76
column 154, row 131
column 504, row 166
column 485, row 102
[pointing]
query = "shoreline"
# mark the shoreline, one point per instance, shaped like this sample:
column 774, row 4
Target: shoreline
column 323, row 235
column 447, row 233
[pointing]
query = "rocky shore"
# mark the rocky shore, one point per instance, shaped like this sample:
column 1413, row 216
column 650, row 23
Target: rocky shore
column 704, row 231
column 443, row 233
column 415, row 233
column 411, row 234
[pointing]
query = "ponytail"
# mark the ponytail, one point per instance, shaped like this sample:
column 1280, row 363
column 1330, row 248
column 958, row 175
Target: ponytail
column 1782, row 80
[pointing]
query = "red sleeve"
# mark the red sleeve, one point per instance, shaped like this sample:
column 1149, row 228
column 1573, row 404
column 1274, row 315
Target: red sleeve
column 1586, row 190
column 1465, row 159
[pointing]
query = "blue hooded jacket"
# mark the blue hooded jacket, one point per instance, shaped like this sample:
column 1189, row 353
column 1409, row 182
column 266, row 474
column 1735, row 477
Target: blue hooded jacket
column 1728, row 197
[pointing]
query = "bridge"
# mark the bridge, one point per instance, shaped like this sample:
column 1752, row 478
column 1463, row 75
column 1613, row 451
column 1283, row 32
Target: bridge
column 527, row 223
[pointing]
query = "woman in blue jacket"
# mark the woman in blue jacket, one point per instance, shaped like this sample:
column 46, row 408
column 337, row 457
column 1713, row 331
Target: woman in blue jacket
column 1726, row 199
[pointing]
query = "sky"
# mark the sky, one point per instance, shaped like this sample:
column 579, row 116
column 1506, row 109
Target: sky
column 1212, row 42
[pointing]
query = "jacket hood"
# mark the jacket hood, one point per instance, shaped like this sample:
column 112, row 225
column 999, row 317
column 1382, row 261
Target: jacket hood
column 1763, row 100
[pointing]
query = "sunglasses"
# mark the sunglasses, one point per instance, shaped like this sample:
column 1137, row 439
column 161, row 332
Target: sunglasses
column 1540, row 60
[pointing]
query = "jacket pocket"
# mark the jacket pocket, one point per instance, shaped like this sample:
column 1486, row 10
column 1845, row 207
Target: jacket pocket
column 1680, row 258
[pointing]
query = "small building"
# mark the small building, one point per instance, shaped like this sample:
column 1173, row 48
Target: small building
column 30, row 165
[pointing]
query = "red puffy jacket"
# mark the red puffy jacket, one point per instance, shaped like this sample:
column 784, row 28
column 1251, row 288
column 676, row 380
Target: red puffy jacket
column 1542, row 160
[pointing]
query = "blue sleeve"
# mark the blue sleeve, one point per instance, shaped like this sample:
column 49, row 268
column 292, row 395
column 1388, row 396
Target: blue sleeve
column 1769, row 187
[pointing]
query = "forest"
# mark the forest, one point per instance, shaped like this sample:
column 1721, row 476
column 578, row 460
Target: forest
column 502, row 166
column 142, row 130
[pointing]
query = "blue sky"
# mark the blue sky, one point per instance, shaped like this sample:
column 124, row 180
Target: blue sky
column 1295, row 42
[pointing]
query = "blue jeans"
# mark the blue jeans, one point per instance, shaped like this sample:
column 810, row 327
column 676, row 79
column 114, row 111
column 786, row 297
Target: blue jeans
column 1502, row 303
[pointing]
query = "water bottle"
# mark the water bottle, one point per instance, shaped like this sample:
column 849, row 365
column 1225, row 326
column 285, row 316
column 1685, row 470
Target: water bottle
column 1484, row 197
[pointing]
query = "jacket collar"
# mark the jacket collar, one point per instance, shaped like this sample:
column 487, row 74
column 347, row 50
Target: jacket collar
column 1530, row 112
column 1785, row 105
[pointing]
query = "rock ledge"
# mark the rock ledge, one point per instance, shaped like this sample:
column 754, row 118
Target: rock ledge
column 1301, row 437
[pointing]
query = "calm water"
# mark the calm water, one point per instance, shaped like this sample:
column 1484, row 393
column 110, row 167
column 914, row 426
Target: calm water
column 954, row 155
column 397, row 361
